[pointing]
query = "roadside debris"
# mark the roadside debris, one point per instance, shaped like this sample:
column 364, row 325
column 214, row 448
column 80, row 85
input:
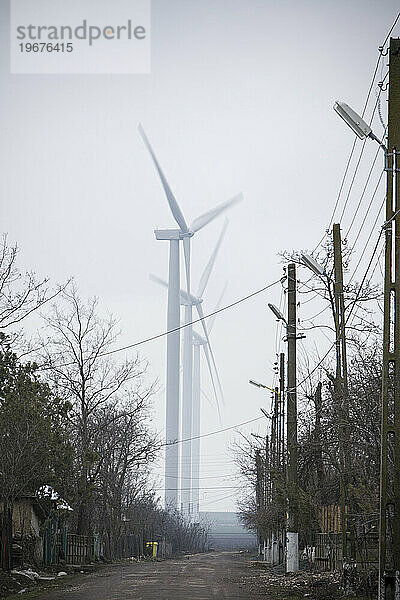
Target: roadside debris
column 312, row 585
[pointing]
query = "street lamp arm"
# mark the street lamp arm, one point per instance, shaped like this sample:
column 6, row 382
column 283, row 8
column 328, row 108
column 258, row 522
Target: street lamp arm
column 380, row 142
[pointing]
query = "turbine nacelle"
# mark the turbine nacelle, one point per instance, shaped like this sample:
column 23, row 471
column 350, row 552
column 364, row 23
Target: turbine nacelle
column 172, row 234
column 193, row 300
column 167, row 234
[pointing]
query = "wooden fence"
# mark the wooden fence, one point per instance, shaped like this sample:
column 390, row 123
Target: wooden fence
column 330, row 519
column 72, row 548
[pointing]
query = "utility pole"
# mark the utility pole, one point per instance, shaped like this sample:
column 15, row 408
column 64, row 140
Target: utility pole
column 259, row 495
column 292, row 541
column 277, row 430
column 274, row 433
column 341, row 385
column 282, row 412
column 280, row 533
column 319, row 464
column 389, row 527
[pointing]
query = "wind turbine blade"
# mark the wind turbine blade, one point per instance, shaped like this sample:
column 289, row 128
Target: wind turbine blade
column 158, row 280
column 209, row 266
column 203, row 220
column 211, row 320
column 184, row 295
column 186, row 249
column 201, row 315
column 207, row 355
column 206, row 397
column 173, row 203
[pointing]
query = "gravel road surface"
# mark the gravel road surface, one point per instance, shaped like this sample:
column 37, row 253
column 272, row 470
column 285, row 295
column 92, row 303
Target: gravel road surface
column 199, row 577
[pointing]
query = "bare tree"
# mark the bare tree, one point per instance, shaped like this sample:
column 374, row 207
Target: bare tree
column 20, row 293
column 361, row 298
column 77, row 356
column 126, row 448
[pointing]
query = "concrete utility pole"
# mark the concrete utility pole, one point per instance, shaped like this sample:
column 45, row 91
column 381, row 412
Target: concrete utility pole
column 341, row 385
column 292, row 542
column 389, row 527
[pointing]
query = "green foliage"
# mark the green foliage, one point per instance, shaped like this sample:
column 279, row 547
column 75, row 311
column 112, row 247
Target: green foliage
column 34, row 448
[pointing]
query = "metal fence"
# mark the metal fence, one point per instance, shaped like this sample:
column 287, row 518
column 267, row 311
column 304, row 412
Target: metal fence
column 362, row 550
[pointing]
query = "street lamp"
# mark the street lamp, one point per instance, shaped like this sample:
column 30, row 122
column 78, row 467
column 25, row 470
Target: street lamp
column 260, row 385
column 277, row 312
column 356, row 123
column 309, row 262
column 265, row 387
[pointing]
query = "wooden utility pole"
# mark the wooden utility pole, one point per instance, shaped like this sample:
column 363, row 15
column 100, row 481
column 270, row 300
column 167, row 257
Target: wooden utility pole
column 282, row 412
column 267, row 477
column 260, row 486
column 275, row 422
column 319, row 463
column 341, row 385
column 389, row 527
column 292, row 558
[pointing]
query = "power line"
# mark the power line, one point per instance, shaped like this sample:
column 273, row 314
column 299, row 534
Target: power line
column 363, row 192
column 367, row 242
column 359, row 160
column 381, row 48
column 214, row 432
column 367, row 212
column 165, row 333
column 309, row 374
column 391, row 29
column 215, row 312
column 318, row 313
column 349, row 314
column 203, row 502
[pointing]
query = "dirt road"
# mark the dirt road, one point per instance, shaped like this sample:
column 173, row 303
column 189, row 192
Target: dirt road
column 199, row 577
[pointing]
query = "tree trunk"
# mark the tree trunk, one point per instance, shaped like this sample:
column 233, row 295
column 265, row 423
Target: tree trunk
column 6, row 537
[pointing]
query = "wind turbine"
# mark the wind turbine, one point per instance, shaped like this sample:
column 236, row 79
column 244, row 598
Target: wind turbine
column 184, row 233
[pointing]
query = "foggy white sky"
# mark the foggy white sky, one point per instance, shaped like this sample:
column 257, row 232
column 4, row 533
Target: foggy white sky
column 239, row 99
